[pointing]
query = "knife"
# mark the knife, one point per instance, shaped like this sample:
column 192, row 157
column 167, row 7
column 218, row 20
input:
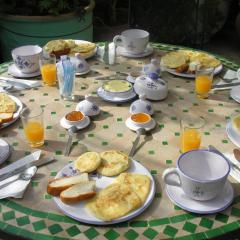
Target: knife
column 233, row 165
column 37, row 163
column 225, row 85
column 11, row 82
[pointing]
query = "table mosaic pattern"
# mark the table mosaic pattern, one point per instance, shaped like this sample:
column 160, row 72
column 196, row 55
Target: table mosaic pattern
column 36, row 216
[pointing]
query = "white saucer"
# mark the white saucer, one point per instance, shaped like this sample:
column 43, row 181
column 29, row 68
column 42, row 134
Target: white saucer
column 235, row 93
column 15, row 72
column 82, row 73
column 133, row 127
column 4, row 150
column 79, row 126
column 131, row 79
column 218, row 204
column 101, row 93
column 121, row 51
column 232, row 134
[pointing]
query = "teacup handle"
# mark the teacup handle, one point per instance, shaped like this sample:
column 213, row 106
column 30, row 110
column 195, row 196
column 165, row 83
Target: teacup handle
column 167, row 177
column 118, row 40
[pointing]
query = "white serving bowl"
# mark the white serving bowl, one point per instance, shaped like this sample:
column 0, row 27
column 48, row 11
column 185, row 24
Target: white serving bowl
column 123, row 94
column 141, row 124
column 26, row 58
column 74, row 123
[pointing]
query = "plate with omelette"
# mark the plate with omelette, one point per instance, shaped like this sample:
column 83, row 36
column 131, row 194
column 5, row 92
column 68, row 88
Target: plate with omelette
column 184, row 63
column 10, row 108
column 71, row 46
column 103, row 188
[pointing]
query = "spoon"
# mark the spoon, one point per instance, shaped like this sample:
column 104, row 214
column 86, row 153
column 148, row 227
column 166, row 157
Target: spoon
column 71, row 131
column 25, row 176
column 236, row 153
column 140, row 132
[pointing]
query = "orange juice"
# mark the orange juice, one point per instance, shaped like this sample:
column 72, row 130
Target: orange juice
column 49, row 74
column 34, row 132
column 190, row 140
column 203, row 85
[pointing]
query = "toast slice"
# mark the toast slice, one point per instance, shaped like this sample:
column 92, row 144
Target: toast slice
column 78, row 192
column 6, row 117
column 56, row 186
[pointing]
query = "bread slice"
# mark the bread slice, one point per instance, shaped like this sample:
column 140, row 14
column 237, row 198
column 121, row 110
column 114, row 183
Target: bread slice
column 56, row 186
column 78, row 192
column 6, row 117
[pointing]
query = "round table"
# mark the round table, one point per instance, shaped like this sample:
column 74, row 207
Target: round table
column 37, row 217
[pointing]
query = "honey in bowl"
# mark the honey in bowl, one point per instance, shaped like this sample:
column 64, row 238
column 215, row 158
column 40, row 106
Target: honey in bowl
column 74, row 116
column 141, row 118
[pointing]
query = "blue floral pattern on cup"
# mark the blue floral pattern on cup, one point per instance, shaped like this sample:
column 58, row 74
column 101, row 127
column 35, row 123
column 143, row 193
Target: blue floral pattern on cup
column 23, row 63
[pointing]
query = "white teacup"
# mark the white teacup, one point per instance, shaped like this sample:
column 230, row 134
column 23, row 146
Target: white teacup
column 200, row 173
column 26, row 58
column 134, row 41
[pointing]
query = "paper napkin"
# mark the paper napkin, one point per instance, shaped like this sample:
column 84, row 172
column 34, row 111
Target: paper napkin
column 17, row 188
column 230, row 74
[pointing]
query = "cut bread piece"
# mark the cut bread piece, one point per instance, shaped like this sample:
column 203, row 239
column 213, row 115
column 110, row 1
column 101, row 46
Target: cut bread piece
column 6, row 117
column 56, row 186
column 78, row 192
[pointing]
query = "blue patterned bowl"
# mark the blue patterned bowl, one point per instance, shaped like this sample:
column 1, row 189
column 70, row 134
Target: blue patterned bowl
column 26, row 58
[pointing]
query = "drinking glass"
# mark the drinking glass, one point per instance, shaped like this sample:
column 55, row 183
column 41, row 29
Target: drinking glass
column 191, row 129
column 203, row 82
column 32, row 119
column 48, row 69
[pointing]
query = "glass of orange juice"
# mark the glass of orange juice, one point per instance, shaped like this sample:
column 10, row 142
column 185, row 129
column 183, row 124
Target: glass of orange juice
column 48, row 69
column 32, row 119
column 191, row 131
column 203, row 82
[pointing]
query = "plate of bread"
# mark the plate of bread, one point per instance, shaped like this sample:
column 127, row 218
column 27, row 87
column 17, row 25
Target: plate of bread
column 70, row 47
column 10, row 108
column 184, row 63
column 102, row 188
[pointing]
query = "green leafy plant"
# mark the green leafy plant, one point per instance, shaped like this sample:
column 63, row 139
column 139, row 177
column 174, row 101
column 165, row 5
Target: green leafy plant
column 41, row 7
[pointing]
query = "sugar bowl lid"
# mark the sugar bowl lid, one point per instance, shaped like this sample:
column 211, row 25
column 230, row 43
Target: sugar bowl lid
column 141, row 105
column 88, row 107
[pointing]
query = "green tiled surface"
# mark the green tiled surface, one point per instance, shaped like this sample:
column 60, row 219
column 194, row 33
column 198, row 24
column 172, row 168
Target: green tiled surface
column 28, row 220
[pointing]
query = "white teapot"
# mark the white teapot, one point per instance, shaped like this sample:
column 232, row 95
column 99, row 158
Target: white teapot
column 152, row 86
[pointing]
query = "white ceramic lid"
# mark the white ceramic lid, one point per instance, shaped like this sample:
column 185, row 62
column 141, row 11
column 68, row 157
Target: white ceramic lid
column 141, row 105
column 88, row 107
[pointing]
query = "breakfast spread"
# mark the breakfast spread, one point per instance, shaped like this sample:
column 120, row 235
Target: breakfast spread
column 189, row 61
column 117, row 86
column 69, row 46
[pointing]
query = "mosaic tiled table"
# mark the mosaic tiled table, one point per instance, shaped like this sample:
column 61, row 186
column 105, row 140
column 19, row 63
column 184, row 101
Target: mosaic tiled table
column 37, row 217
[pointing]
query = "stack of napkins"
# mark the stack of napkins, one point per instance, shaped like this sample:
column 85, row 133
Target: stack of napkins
column 111, row 53
column 230, row 74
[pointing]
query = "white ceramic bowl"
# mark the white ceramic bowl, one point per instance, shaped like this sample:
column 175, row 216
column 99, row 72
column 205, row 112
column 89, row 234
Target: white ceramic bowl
column 26, row 58
column 141, row 124
column 123, row 94
column 79, row 122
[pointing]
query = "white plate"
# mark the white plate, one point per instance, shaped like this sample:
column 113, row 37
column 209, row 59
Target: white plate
column 79, row 213
column 82, row 73
column 235, row 93
column 16, row 114
column 4, row 150
column 79, row 126
column 15, row 72
column 133, row 127
column 93, row 52
column 217, row 70
column 121, row 51
column 101, row 93
column 232, row 134
column 218, row 204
